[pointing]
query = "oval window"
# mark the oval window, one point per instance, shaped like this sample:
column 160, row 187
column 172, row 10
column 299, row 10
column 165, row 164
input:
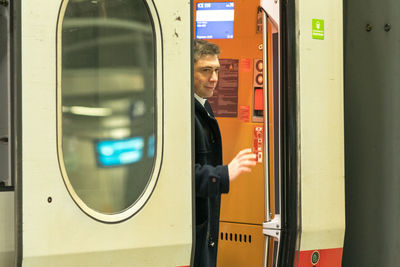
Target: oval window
column 107, row 102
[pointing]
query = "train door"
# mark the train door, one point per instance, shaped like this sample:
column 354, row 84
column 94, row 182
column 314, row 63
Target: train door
column 105, row 105
column 304, row 108
column 273, row 227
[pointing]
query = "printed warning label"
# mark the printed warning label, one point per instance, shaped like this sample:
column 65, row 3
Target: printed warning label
column 258, row 142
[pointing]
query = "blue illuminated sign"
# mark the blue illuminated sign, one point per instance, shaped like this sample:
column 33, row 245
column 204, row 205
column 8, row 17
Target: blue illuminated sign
column 150, row 147
column 120, row 152
column 214, row 20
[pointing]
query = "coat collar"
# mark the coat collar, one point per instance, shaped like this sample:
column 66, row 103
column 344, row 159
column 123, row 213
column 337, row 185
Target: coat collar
column 201, row 100
column 205, row 110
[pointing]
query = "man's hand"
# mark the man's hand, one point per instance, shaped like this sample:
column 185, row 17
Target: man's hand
column 241, row 163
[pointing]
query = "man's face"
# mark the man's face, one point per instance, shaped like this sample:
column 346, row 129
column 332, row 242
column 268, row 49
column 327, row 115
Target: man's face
column 206, row 75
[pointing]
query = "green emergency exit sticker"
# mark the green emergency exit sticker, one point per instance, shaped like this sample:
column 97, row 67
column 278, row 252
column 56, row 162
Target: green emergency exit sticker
column 318, row 31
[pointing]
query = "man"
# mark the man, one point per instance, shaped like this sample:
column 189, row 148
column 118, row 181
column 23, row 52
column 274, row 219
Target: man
column 212, row 178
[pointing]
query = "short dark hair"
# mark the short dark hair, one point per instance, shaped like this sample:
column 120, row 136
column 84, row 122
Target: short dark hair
column 204, row 48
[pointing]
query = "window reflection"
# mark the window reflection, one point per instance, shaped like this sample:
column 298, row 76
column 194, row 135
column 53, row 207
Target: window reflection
column 108, row 100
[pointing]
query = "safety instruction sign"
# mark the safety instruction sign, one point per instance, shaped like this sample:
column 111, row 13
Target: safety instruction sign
column 224, row 102
column 318, row 29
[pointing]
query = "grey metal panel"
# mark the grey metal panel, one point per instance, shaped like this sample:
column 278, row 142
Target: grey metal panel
column 372, row 133
column 4, row 91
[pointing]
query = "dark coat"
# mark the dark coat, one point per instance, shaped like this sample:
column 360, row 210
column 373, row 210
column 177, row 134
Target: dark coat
column 212, row 179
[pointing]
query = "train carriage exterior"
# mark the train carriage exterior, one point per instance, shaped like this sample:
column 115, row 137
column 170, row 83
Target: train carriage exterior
column 96, row 148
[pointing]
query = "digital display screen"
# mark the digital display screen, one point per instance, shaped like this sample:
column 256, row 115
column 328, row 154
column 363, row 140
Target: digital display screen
column 214, row 20
column 120, row 152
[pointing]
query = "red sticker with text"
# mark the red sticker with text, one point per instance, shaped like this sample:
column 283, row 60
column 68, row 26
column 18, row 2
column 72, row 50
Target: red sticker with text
column 245, row 64
column 258, row 142
column 244, row 113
